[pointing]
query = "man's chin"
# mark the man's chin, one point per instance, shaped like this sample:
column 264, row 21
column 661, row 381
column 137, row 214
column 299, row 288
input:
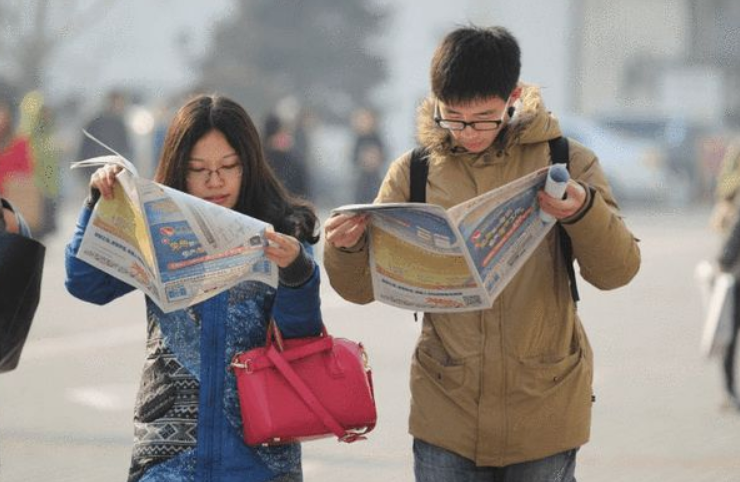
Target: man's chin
column 475, row 148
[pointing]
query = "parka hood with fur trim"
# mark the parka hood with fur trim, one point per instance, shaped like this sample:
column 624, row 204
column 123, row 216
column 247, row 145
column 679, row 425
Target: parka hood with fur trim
column 531, row 123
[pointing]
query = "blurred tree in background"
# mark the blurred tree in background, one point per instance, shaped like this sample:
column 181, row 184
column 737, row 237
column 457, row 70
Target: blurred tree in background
column 32, row 31
column 319, row 51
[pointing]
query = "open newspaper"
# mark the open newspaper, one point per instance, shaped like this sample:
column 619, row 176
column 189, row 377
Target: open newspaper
column 426, row 258
column 176, row 248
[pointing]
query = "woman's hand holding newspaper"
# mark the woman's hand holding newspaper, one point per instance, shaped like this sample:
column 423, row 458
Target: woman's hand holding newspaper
column 103, row 180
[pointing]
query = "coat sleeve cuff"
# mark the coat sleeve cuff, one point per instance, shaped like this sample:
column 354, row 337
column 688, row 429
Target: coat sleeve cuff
column 359, row 246
column 298, row 272
column 585, row 208
column 92, row 198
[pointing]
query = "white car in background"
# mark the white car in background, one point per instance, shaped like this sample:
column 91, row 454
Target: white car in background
column 636, row 168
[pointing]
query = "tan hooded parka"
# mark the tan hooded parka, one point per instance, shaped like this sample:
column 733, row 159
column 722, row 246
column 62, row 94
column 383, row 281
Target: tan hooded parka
column 511, row 383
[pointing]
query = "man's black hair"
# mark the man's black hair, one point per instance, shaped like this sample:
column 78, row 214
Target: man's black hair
column 474, row 63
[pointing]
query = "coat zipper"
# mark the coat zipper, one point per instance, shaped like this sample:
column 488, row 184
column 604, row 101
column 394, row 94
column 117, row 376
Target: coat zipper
column 209, row 329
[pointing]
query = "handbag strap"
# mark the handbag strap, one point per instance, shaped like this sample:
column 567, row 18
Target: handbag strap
column 309, row 398
column 274, row 335
column 323, row 343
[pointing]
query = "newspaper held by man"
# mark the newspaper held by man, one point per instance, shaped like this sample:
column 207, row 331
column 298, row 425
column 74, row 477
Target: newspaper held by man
column 426, row 258
column 177, row 248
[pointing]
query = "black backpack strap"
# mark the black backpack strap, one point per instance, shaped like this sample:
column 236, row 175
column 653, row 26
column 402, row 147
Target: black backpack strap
column 560, row 154
column 418, row 174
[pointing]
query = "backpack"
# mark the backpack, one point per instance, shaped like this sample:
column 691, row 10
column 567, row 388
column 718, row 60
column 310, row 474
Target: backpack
column 559, row 153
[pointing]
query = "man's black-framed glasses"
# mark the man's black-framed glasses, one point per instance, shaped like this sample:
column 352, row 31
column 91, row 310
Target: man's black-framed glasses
column 458, row 125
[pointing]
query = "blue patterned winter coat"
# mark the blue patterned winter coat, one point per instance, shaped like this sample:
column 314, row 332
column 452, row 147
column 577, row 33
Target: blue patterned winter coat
column 186, row 422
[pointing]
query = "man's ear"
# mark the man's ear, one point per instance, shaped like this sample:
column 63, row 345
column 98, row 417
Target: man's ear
column 515, row 94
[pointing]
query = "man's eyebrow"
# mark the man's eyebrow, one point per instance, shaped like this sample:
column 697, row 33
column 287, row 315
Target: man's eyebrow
column 478, row 114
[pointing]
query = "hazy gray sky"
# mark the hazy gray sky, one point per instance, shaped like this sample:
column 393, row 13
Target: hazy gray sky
column 135, row 44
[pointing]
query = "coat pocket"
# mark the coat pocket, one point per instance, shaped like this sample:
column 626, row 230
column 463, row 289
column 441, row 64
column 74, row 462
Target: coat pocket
column 157, row 393
column 449, row 375
column 552, row 397
column 543, row 375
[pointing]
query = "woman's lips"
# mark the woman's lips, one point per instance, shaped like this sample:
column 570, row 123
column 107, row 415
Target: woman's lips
column 217, row 199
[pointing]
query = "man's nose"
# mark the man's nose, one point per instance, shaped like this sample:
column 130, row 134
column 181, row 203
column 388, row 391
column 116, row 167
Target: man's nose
column 468, row 131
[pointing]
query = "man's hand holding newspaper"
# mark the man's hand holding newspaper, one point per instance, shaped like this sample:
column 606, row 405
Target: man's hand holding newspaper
column 426, row 258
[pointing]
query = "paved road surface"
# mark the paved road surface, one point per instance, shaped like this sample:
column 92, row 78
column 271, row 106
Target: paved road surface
column 65, row 415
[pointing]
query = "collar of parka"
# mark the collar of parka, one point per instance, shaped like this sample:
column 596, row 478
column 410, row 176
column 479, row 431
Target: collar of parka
column 531, row 123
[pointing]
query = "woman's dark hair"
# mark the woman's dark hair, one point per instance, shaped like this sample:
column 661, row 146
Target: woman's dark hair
column 262, row 196
column 474, row 63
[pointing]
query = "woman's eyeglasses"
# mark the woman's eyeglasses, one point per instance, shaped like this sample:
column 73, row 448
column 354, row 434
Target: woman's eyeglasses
column 203, row 174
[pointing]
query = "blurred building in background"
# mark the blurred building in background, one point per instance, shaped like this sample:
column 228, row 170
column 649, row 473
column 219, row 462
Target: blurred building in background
column 664, row 71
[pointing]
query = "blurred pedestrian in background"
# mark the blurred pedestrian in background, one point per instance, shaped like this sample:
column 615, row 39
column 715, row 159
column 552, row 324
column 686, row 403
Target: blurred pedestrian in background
column 37, row 123
column 726, row 220
column 283, row 158
column 727, row 189
column 368, row 155
column 187, row 421
column 17, row 181
column 301, row 129
column 109, row 127
column 159, row 131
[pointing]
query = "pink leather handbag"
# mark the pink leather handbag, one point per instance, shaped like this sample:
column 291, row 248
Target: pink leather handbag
column 304, row 388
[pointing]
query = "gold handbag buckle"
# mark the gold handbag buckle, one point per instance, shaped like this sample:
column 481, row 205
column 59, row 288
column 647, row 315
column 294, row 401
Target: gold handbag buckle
column 246, row 366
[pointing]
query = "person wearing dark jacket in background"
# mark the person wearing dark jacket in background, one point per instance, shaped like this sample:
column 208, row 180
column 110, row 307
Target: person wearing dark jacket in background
column 284, row 160
column 728, row 263
column 725, row 219
column 368, row 156
column 109, row 126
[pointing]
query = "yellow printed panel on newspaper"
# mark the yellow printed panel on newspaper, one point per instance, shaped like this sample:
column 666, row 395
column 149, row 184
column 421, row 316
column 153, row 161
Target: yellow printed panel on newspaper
column 411, row 265
column 118, row 217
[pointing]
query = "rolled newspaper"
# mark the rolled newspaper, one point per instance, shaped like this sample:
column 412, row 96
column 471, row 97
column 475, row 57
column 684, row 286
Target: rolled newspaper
column 557, row 180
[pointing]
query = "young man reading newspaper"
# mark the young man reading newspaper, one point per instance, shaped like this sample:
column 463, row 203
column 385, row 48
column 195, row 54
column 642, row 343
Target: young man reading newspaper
column 506, row 391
